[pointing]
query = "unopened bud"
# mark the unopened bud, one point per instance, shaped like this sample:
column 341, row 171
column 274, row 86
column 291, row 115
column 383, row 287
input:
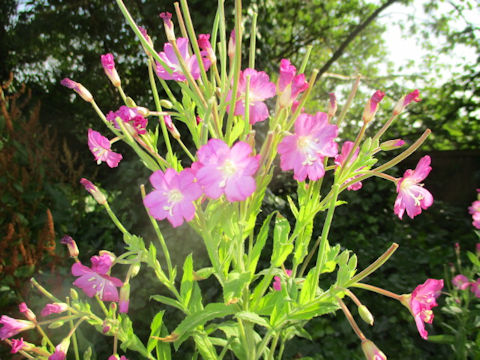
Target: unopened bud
column 94, row 191
column 142, row 111
column 168, row 24
column 365, row 314
column 56, row 324
column 332, row 105
column 231, row 45
column 108, row 253
column 404, row 101
column 147, row 38
column 25, row 310
column 124, row 298
column 166, row 104
column 87, row 355
column 135, row 270
column 372, row 106
column 108, row 64
column 392, row 144
column 173, row 130
column 113, row 306
column 78, row 88
column 204, row 44
column 74, row 294
column 71, row 245
column 371, row 351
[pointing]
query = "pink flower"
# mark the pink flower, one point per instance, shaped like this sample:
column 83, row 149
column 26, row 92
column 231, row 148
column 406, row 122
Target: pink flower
column 173, row 196
column 54, row 308
column 17, row 345
column 461, row 282
column 314, row 139
column 474, row 210
column 71, row 245
column 332, row 105
column 289, row 84
column 405, row 101
column 411, row 194
column 94, row 191
column 171, row 128
column 124, row 301
column 261, row 89
column 372, row 106
column 95, row 281
column 371, row 351
column 130, row 116
column 12, row 327
column 475, row 288
column 108, row 64
column 204, row 44
column 342, row 157
column 115, row 357
column 277, row 281
column 25, row 310
column 100, row 147
column 78, row 88
column 222, row 170
column 421, row 301
column 168, row 24
column 170, row 59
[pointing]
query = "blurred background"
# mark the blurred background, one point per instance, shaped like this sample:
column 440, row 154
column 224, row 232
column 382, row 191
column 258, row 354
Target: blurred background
column 396, row 45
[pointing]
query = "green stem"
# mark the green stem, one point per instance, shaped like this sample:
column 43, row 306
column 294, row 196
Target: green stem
column 378, row 290
column 326, row 228
column 374, row 266
column 122, row 94
column 253, row 39
column 301, row 70
column 102, row 305
column 74, row 337
column 349, row 100
column 115, row 219
column 273, row 346
column 384, row 127
column 44, row 335
column 351, row 320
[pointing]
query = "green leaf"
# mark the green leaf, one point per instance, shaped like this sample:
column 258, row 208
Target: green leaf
column 259, row 243
column 234, row 285
column 155, row 328
column 211, row 311
column 186, row 285
column 128, row 338
column 167, row 301
column 252, row 317
column 293, row 207
column 473, row 258
column 282, row 247
column 309, row 286
column 204, row 273
column 442, row 339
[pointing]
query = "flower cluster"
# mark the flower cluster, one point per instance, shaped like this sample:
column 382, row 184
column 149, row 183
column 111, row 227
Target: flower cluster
column 474, row 210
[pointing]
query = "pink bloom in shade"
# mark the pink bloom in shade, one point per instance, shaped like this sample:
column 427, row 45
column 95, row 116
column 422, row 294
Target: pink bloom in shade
column 261, row 89
column 371, row 351
column 131, row 116
column 405, row 101
column 474, row 210
column 54, row 308
column 124, row 301
column 115, row 357
column 314, row 139
column 289, row 84
column 475, row 288
column 95, row 281
column 94, row 191
column 224, row 170
column 108, row 64
column 277, row 281
column 173, row 196
column 78, row 88
column 17, row 345
column 342, row 157
column 461, row 282
column 12, row 327
column 25, row 310
column 170, row 59
column 421, row 301
column 372, row 106
column 100, row 147
column 204, row 44
column 411, row 194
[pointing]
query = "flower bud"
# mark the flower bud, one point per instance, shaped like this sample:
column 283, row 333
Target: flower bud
column 74, row 294
column 365, row 314
column 24, row 309
column 169, row 123
column 142, row 111
column 124, row 298
column 166, row 104
column 71, row 245
column 94, row 191
column 204, row 44
column 392, row 144
column 231, row 45
column 78, row 88
column 108, row 64
column 147, row 38
column 371, row 351
column 404, row 101
column 372, row 106
column 168, row 24
column 332, row 105
column 135, row 270
column 108, row 253
column 106, row 326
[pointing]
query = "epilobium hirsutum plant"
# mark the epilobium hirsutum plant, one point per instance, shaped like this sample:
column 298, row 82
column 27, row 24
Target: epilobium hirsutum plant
column 219, row 191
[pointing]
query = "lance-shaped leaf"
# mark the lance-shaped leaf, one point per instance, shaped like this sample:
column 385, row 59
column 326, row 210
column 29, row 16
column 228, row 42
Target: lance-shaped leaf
column 282, row 246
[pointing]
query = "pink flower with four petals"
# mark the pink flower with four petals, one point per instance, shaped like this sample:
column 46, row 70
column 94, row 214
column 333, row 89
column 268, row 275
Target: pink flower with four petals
column 100, row 147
